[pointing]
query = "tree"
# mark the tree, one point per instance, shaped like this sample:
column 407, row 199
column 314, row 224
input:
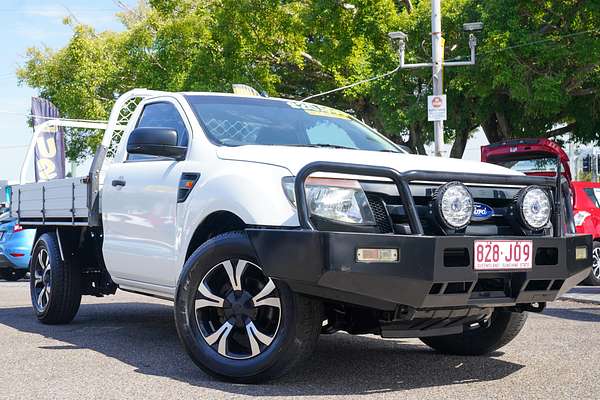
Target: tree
column 537, row 72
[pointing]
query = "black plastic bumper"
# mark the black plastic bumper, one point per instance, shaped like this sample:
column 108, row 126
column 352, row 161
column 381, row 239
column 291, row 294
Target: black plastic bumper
column 4, row 263
column 324, row 264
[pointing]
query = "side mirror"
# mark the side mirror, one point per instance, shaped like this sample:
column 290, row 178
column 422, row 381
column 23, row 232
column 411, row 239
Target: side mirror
column 160, row 142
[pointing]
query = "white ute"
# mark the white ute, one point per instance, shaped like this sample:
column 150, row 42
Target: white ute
column 269, row 222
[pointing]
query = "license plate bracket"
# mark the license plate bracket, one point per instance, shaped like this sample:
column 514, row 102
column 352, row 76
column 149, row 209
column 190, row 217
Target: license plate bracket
column 502, row 255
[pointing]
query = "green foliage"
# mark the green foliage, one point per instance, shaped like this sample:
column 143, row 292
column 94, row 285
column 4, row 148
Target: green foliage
column 294, row 48
column 585, row 176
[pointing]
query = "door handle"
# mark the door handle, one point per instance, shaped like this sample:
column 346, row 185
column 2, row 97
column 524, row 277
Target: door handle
column 118, row 182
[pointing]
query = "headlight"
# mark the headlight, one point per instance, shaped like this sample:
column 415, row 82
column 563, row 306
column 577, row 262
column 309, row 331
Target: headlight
column 535, row 207
column 454, row 205
column 341, row 200
column 580, row 217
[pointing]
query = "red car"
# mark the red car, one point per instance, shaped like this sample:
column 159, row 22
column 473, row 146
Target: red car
column 540, row 157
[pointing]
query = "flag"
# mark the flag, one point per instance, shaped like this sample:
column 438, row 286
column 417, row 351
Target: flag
column 50, row 145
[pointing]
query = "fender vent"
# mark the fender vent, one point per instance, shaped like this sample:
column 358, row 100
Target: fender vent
column 382, row 218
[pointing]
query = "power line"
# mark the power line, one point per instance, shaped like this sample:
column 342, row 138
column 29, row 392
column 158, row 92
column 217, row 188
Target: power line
column 14, row 147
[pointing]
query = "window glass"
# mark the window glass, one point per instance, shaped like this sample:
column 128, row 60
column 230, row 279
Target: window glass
column 546, row 164
column 243, row 121
column 161, row 115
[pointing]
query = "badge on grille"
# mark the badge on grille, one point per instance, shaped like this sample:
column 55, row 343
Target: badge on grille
column 481, row 212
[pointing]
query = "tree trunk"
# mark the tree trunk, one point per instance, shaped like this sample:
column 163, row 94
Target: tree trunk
column 460, row 142
column 492, row 130
column 415, row 140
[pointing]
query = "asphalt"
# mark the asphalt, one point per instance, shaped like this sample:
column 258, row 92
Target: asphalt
column 126, row 347
column 584, row 294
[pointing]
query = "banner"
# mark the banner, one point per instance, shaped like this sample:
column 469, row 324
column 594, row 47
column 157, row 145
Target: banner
column 50, row 145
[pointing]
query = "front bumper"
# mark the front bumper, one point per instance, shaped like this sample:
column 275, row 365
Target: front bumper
column 429, row 273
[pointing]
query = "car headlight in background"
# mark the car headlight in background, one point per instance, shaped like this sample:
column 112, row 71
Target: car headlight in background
column 454, row 205
column 535, row 207
column 341, row 200
column 580, row 217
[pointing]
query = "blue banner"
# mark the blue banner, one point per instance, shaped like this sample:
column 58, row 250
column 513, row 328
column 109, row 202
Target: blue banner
column 50, row 145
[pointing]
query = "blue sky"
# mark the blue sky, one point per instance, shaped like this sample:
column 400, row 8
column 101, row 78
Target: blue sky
column 27, row 23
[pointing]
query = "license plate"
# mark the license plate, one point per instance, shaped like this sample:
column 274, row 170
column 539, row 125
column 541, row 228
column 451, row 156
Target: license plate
column 496, row 255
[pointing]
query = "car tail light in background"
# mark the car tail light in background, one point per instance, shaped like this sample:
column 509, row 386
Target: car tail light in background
column 580, row 217
column 17, row 254
column 17, row 228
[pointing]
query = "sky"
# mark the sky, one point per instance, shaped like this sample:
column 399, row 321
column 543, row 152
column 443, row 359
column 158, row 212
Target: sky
column 35, row 23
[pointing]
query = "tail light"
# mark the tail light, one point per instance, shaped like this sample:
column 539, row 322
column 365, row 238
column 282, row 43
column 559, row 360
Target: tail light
column 17, row 228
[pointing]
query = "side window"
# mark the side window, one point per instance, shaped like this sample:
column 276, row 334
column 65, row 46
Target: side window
column 161, row 115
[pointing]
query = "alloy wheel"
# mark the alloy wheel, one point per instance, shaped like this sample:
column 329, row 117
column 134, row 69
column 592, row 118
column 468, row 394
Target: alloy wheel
column 237, row 309
column 596, row 262
column 42, row 280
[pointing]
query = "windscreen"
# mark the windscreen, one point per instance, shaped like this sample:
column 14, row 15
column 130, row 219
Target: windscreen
column 240, row 121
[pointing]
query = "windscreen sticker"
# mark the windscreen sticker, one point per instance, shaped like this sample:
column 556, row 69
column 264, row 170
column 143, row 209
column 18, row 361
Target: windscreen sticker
column 321, row 111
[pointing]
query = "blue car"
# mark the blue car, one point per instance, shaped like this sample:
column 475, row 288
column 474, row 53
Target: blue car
column 15, row 249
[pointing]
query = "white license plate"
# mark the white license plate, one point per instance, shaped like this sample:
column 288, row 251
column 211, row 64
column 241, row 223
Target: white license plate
column 497, row 255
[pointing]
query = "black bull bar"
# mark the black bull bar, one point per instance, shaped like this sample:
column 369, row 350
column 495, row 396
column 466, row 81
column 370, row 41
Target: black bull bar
column 324, row 264
column 402, row 181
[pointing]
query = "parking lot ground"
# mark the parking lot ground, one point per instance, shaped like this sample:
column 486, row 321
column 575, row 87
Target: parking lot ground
column 126, row 347
column 584, row 294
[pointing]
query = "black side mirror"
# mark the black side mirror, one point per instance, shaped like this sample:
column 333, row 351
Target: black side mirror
column 160, row 142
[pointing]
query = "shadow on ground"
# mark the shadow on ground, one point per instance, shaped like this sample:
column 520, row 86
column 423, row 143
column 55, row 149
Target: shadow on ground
column 584, row 314
column 143, row 336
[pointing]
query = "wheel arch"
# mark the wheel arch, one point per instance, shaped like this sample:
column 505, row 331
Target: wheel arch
column 214, row 224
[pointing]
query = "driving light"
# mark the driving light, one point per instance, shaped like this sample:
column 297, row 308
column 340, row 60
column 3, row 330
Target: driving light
column 341, row 200
column 453, row 205
column 535, row 207
column 580, row 217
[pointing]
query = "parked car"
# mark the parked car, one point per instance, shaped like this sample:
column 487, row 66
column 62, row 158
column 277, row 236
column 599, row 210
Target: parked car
column 540, row 157
column 587, row 220
column 268, row 221
column 15, row 250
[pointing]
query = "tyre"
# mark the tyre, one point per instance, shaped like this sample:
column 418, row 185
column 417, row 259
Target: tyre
column 55, row 285
column 12, row 275
column 594, row 278
column 504, row 326
column 236, row 323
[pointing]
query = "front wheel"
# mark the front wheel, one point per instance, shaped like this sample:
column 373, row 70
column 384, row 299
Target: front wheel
column 55, row 284
column 503, row 327
column 236, row 323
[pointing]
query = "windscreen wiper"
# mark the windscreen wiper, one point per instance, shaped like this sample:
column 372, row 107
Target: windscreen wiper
column 323, row 145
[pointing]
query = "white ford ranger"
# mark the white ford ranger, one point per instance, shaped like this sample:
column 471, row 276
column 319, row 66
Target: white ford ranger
column 269, row 222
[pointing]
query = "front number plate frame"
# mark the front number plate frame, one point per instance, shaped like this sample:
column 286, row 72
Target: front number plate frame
column 502, row 255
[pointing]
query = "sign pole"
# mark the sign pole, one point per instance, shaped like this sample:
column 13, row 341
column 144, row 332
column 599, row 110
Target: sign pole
column 438, row 61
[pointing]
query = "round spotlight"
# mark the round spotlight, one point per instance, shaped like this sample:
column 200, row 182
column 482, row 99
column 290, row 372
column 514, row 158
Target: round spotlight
column 454, row 205
column 535, row 207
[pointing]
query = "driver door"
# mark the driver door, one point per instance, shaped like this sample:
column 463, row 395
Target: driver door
column 139, row 207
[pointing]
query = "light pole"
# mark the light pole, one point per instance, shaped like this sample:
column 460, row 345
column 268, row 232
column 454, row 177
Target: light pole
column 437, row 64
column 437, row 57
